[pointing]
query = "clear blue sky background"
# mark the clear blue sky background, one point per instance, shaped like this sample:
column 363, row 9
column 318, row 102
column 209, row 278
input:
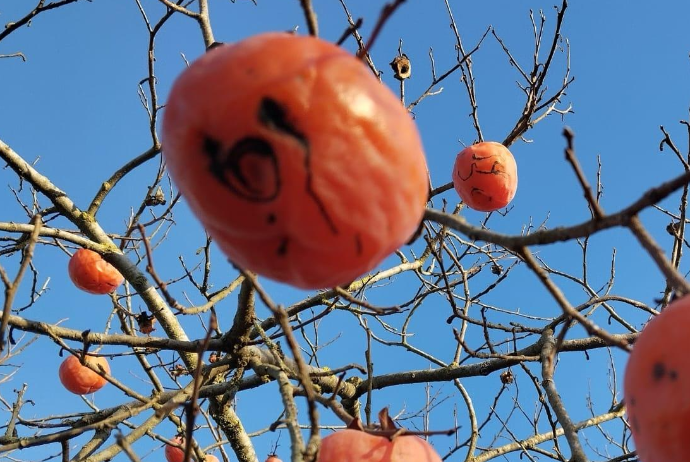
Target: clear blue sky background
column 74, row 105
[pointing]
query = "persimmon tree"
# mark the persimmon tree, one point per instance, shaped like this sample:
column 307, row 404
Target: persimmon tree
column 471, row 335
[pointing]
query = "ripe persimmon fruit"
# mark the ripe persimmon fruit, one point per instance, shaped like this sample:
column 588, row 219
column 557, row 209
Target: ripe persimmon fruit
column 273, row 458
column 354, row 444
column 174, row 453
column 301, row 165
column 657, row 380
column 485, row 176
column 80, row 379
column 89, row 272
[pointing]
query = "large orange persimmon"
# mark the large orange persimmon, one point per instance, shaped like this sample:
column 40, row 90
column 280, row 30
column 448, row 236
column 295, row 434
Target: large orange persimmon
column 485, row 176
column 80, row 379
column 174, row 453
column 657, row 380
column 358, row 445
column 297, row 160
column 92, row 274
column 355, row 446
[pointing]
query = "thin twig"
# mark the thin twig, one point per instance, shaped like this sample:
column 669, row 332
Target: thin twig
column 14, row 25
column 150, row 268
column 657, row 253
column 11, row 430
column 349, row 31
column 565, row 305
column 11, row 288
column 594, row 206
column 386, row 13
column 376, row 309
column 310, row 17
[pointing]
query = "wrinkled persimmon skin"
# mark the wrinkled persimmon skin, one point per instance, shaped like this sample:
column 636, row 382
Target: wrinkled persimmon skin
column 300, row 164
column 79, row 379
column 485, row 176
column 175, row 454
column 657, row 380
column 357, row 446
column 89, row 272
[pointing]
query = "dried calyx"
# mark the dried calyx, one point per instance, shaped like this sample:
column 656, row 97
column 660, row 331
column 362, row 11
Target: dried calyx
column 402, row 68
column 386, row 427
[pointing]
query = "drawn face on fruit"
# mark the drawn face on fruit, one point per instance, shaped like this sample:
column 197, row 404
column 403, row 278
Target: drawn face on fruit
column 485, row 176
column 301, row 165
column 251, row 169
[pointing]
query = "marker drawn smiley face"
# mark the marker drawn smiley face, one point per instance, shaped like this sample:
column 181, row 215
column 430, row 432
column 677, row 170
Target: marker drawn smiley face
column 300, row 164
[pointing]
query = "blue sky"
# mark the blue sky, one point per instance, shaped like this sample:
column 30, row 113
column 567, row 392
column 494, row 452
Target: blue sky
column 74, row 105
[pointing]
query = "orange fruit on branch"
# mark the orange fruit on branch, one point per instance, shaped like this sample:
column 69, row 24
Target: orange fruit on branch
column 354, row 444
column 80, row 379
column 657, row 380
column 92, row 274
column 485, row 176
column 174, row 453
column 300, row 164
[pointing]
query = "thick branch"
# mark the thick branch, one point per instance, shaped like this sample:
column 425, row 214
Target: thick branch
column 532, row 441
column 548, row 357
column 445, row 374
column 560, row 234
column 92, row 229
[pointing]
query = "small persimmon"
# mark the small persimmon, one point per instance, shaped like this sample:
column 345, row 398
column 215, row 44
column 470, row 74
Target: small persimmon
column 485, row 176
column 301, row 165
column 80, row 379
column 656, row 384
column 92, row 274
column 273, row 458
column 174, row 453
